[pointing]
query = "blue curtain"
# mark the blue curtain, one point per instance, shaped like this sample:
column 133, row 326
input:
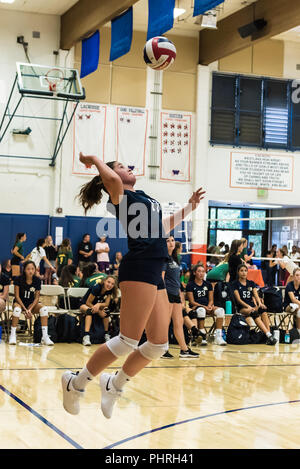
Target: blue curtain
column 202, row 6
column 121, row 34
column 90, row 54
column 160, row 18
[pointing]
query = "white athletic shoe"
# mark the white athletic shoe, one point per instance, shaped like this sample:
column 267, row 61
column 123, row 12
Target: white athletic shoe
column 86, row 340
column 219, row 340
column 12, row 340
column 109, row 394
column 71, row 396
column 46, row 341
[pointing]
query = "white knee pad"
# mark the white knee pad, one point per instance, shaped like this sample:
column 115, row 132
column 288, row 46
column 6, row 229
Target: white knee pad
column 44, row 311
column 121, row 345
column 17, row 312
column 201, row 313
column 293, row 307
column 220, row 313
column 153, row 351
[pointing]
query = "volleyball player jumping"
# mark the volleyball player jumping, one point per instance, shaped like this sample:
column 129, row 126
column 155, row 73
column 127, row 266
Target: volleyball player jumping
column 144, row 304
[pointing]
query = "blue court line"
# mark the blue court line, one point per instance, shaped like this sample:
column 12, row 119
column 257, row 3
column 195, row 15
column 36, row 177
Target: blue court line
column 41, row 418
column 134, row 437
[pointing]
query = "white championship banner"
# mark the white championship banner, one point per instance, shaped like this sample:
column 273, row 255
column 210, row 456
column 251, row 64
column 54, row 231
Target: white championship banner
column 262, row 171
column 89, row 135
column 131, row 134
column 176, row 141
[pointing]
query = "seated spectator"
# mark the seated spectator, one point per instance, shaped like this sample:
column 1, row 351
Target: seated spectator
column 96, row 301
column 117, row 263
column 102, row 250
column 4, row 289
column 249, row 304
column 234, row 259
column 200, row 297
column 85, row 251
column 220, row 273
column 68, row 278
column 91, row 276
column 27, row 295
column 6, row 269
column 184, row 279
column 291, row 302
column 295, row 254
column 51, row 253
column 64, row 256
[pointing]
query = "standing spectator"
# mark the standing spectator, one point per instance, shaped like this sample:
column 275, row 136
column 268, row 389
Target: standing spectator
column 234, row 259
column 17, row 252
column 4, row 287
column 6, row 269
column 102, row 250
column 271, row 266
column 51, row 253
column 64, row 256
column 85, row 251
column 38, row 254
column 287, row 266
column 294, row 254
column 117, row 262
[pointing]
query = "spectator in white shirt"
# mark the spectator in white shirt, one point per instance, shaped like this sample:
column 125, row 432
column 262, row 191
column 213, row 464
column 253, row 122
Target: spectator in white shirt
column 38, row 254
column 102, row 250
column 295, row 254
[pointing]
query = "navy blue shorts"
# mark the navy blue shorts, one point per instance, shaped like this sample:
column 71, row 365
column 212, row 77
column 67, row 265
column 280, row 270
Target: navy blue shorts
column 142, row 270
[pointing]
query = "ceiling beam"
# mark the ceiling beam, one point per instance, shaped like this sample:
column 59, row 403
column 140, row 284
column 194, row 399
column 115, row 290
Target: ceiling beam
column 280, row 15
column 86, row 16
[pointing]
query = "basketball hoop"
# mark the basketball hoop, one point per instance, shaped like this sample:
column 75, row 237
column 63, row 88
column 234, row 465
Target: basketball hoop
column 55, row 80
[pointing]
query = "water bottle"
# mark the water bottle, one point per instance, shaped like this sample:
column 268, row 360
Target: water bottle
column 287, row 338
column 228, row 307
column 0, row 333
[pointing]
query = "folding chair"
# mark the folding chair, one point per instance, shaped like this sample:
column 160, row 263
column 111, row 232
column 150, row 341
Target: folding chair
column 54, row 291
column 74, row 292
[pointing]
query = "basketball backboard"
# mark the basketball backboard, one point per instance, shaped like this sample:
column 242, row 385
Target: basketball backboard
column 49, row 81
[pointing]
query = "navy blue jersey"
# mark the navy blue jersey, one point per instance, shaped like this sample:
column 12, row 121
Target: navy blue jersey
column 200, row 292
column 172, row 276
column 141, row 218
column 4, row 280
column 245, row 291
column 290, row 288
column 27, row 291
column 96, row 292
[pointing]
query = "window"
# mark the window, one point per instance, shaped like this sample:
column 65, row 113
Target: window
column 250, row 111
column 257, row 219
column 227, row 224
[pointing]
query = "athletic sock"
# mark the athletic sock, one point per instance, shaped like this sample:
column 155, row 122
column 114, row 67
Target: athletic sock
column 203, row 331
column 218, row 332
column 268, row 334
column 13, row 330
column 120, row 379
column 44, row 331
column 82, row 379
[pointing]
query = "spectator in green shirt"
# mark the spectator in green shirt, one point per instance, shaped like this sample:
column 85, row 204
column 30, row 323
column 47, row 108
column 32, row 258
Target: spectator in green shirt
column 64, row 256
column 91, row 275
column 18, row 255
column 68, row 277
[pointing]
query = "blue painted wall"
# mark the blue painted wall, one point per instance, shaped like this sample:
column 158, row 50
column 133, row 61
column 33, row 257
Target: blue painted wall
column 38, row 226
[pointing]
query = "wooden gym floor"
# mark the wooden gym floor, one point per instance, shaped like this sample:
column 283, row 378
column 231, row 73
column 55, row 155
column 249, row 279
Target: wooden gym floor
column 230, row 397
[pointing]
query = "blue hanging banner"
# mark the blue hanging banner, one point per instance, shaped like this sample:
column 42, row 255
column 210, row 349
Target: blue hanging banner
column 202, row 6
column 90, row 54
column 121, row 34
column 160, row 17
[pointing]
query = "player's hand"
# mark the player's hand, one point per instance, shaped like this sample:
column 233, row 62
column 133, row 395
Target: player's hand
column 28, row 314
column 196, row 198
column 87, row 160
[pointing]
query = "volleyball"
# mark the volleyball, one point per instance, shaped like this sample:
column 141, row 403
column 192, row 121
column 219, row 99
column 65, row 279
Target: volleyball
column 159, row 53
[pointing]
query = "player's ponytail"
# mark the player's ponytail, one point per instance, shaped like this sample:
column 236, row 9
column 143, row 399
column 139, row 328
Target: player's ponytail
column 91, row 193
